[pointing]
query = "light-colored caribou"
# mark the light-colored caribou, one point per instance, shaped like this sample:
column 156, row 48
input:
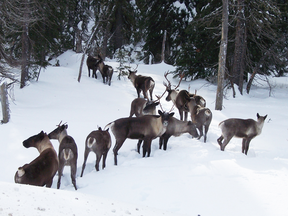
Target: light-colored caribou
column 246, row 129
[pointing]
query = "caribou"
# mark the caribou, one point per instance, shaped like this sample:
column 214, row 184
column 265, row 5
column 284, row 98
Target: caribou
column 247, row 129
column 141, row 106
column 201, row 117
column 175, row 128
column 99, row 142
column 147, row 128
column 105, row 70
column 142, row 83
column 67, row 154
column 179, row 98
column 91, row 64
column 42, row 169
column 199, row 100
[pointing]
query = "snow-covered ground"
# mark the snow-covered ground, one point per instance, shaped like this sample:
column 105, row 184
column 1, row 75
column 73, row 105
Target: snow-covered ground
column 190, row 178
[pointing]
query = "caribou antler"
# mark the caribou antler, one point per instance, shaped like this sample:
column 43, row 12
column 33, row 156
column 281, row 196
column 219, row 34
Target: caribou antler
column 168, row 86
column 60, row 124
column 159, row 97
column 171, row 108
column 181, row 77
column 136, row 67
column 163, row 109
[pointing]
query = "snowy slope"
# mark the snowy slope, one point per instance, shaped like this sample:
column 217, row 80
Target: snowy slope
column 190, row 178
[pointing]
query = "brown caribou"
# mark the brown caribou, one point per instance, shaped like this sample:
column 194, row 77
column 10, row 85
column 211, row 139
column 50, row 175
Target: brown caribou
column 201, row 117
column 91, row 65
column 99, row 142
column 147, row 128
column 68, row 153
column 246, row 129
column 42, row 169
column 142, row 106
column 199, row 100
column 105, row 70
column 175, row 128
column 179, row 98
column 142, row 83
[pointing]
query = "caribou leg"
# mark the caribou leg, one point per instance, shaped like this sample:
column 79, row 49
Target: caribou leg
column 117, row 146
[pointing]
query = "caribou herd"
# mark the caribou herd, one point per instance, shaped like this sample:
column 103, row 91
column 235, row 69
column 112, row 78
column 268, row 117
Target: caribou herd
column 145, row 126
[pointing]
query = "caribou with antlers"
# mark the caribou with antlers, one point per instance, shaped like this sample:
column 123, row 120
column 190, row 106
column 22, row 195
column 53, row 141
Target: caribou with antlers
column 179, row 98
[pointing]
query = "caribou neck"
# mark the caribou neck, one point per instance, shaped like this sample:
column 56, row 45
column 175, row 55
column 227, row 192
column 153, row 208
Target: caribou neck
column 44, row 144
column 180, row 127
column 259, row 125
column 132, row 78
column 161, row 129
column 62, row 135
column 101, row 65
column 173, row 96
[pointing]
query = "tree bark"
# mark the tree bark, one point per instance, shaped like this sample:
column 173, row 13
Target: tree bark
column 240, row 47
column 222, row 57
column 105, row 40
column 25, row 50
column 163, row 47
column 248, row 87
column 119, row 27
column 78, row 40
column 5, row 103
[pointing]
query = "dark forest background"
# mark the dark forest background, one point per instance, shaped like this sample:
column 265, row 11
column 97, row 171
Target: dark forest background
column 34, row 31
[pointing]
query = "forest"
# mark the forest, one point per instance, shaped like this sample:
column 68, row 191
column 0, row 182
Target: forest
column 182, row 33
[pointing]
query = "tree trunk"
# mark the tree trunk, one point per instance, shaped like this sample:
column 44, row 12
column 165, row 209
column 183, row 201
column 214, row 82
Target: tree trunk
column 119, row 27
column 248, row 87
column 240, row 47
column 105, row 40
column 163, row 47
column 78, row 40
column 25, row 51
column 85, row 50
column 5, row 103
column 222, row 57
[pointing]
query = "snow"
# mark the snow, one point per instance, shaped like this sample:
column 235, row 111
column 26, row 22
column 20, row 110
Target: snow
column 190, row 178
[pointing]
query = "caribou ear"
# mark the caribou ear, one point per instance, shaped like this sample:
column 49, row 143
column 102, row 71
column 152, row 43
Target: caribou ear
column 258, row 115
column 66, row 126
column 160, row 112
column 41, row 135
column 107, row 129
column 265, row 117
column 99, row 128
column 63, row 127
column 171, row 114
